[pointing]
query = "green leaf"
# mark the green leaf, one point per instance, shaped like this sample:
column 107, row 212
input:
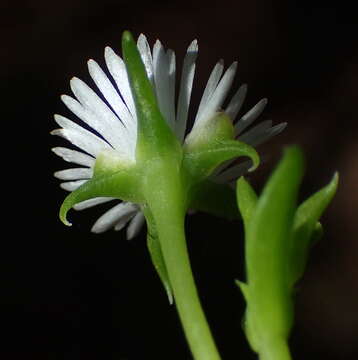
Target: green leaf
column 268, row 223
column 267, row 242
column 277, row 239
column 306, row 228
column 246, row 200
column 201, row 162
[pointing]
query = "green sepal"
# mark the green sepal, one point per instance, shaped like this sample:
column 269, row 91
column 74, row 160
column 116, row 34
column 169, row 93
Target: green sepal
column 109, row 161
column 307, row 229
column 155, row 137
column 202, row 161
column 211, row 144
column 157, row 257
column 218, row 128
column 215, row 199
column 122, row 184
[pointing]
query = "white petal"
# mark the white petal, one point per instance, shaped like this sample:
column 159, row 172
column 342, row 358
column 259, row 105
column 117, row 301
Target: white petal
column 135, row 225
column 171, row 81
column 113, row 98
column 117, row 69
column 215, row 102
column 210, row 87
column 250, row 116
column 103, row 119
column 112, row 216
column 146, row 56
column 79, row 136
column 164, row 72
column 74, row 174
column 186, row 84
column 257, row 130
column 236, row 102
column 123, row 221
column 72, row 185
column 233, row 172
column 92, row 202
column 74, row 156
column 262, row 137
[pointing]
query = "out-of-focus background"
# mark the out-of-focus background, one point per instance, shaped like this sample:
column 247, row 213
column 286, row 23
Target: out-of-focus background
column 68, row 294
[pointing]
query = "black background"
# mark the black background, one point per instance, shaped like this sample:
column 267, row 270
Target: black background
column 70, row 294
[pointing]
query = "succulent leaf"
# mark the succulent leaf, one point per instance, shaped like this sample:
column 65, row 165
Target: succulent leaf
column 307, row 229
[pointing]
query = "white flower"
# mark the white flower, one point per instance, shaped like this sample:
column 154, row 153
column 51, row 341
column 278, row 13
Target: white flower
column 112, row 124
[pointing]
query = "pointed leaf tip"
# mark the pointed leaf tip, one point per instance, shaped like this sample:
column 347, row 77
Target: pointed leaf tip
column 255, row 158
column 244, row 289
column 63, row 212
column 246, row 200
column 307, row 228
column 334, row 182
column 127, row 36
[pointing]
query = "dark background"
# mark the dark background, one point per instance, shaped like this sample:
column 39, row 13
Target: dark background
column 69, row 294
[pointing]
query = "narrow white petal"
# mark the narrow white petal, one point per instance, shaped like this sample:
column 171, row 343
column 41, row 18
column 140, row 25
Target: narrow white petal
column 135, row 225
column 218, row 97
column 104, row 120
column 117, row 69
column 72, row 185
column 92, row 202
column 112, row 216
column 146, row 56
column 257, row 130
column 210, row 87
column 250, row 116
column 74, row 156
column 171, row 83
column 236, row 102
column 233, row 172
column 186, row 85
column 87, row 116
column 163, row 64
column 74, row 174
column 79, row 136
column 262, row 137
column 124, row 221
column 113, row 98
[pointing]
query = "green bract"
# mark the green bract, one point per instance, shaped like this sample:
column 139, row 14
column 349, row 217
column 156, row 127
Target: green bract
column 277, row 239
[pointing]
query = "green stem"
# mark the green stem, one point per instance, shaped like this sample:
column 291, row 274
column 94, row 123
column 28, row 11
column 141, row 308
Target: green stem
column 173, row 245
column 166, row 205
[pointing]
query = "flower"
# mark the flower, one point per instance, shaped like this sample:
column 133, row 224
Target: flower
column 110, row 124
